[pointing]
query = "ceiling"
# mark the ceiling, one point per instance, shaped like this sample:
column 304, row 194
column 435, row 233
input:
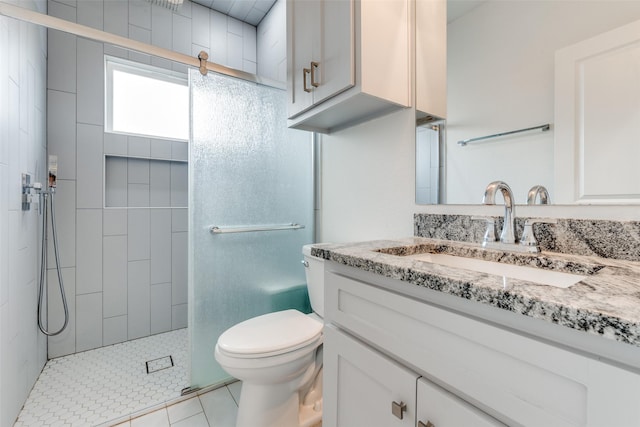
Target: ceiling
column 249, row 11
column 457, row 8
column 252, row 11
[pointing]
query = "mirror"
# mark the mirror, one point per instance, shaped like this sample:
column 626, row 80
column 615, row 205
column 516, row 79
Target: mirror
column 429, row 161
column 501, row 78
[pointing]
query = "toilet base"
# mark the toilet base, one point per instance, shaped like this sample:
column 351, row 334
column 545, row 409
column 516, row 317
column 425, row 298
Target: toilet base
column 267, row 406
column 279, row 405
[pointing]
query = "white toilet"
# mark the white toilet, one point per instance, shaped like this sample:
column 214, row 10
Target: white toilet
column 278, row 358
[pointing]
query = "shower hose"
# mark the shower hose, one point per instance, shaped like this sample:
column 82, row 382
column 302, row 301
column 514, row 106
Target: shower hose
column 43, row 264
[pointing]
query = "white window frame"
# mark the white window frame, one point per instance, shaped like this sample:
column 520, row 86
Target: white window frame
column 111, row 64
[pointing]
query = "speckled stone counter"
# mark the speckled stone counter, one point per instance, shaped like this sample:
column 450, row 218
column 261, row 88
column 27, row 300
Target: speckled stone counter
column 605, row 303
column 606, row 239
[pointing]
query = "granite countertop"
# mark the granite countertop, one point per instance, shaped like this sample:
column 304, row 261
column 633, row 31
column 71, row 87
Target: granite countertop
column 605, row 303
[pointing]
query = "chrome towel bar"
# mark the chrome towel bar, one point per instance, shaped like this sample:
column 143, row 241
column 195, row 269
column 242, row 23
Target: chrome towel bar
column 214, row 229
column 543, row 128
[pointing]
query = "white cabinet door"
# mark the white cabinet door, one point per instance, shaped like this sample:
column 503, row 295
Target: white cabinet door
column 335, row 70
column 321, row 50
column 437, row 407
column 303, row 27
column 361, row 386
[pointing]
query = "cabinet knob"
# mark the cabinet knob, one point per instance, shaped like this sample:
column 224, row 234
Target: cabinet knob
column 397, row 409
column 428, row 424
column 314, row 67
column 305, row 71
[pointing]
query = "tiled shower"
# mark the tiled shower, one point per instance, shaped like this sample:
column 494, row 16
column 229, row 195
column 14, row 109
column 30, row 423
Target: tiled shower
column 22, row 150
column 114, row 190
column 121, row 200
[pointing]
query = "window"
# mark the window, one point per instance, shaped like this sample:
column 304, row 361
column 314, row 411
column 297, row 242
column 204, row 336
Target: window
column 145, row 100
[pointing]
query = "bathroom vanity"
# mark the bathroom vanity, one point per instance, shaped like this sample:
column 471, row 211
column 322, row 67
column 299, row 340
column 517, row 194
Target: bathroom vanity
column 409, row 342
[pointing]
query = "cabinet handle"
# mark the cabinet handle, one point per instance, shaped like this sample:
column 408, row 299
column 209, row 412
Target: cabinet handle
column 314, row 67
column 428, row 424
column 305, row 71
column 397, row 409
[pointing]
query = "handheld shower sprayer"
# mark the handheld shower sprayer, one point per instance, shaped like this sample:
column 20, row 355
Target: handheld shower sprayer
column 48, row 194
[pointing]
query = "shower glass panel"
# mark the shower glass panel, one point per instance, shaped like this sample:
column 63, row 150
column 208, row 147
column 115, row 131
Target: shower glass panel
column 245, row 169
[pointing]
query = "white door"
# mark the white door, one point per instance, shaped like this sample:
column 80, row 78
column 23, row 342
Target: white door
column 597, row 119
column 364, row 388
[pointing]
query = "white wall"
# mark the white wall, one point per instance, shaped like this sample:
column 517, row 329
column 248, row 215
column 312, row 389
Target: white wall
column 368, row 180
column 500, row 78
column 125, row 268
column 23, row 52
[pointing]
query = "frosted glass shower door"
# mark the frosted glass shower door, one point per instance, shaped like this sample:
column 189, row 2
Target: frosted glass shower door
column 246, row 169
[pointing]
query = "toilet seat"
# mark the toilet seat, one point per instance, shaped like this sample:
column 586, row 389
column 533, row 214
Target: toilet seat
column 270, row 335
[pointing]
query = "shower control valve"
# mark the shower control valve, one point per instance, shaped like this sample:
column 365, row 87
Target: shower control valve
column 27, row 194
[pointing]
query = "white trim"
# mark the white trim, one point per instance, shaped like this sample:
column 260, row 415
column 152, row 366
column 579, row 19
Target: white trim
column 112, row 64
column 146, row 70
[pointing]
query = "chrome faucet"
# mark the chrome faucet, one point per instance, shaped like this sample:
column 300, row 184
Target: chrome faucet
column 528, row 238
column 538, row 190
column 508, row 234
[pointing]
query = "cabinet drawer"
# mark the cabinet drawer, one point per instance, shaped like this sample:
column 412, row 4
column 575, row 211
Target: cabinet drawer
column 516, row 379
column 443, row 409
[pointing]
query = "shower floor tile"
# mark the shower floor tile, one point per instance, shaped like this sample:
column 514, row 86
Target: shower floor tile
column 96, row 386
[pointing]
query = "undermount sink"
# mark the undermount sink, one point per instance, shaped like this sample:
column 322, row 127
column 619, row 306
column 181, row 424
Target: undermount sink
column 507, row 271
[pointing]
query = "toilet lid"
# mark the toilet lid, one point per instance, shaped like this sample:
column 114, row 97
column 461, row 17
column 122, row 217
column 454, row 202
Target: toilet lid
column 271, row 334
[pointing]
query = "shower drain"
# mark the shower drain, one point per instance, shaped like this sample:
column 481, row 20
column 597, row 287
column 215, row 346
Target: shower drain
column 159, row 364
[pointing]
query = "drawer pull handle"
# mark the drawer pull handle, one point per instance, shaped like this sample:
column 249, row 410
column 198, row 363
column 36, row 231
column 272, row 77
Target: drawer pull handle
column 314, row 67
column 397, row 409
column 305, row 71
column 428, row 424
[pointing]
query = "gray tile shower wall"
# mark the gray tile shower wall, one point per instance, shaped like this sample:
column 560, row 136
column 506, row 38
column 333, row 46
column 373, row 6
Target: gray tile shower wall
column 603, row 238
column 23, row 149
column 121, row 203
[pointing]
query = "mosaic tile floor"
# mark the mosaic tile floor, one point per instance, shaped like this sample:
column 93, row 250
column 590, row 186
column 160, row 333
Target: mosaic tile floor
column 96, row 386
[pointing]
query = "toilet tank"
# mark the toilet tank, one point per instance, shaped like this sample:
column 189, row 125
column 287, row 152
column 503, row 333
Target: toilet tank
column 314, row 270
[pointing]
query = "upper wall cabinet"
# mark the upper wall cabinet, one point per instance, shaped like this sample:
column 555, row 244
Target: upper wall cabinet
column 347, row 61
column 319, row 27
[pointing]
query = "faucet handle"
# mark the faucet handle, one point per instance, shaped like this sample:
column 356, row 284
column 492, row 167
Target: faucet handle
column 528, row 239
column 534, row 192
column 490, row 232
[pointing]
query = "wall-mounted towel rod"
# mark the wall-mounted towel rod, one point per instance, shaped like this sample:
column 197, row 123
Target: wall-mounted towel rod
column 543, row 128
column 214, row 229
